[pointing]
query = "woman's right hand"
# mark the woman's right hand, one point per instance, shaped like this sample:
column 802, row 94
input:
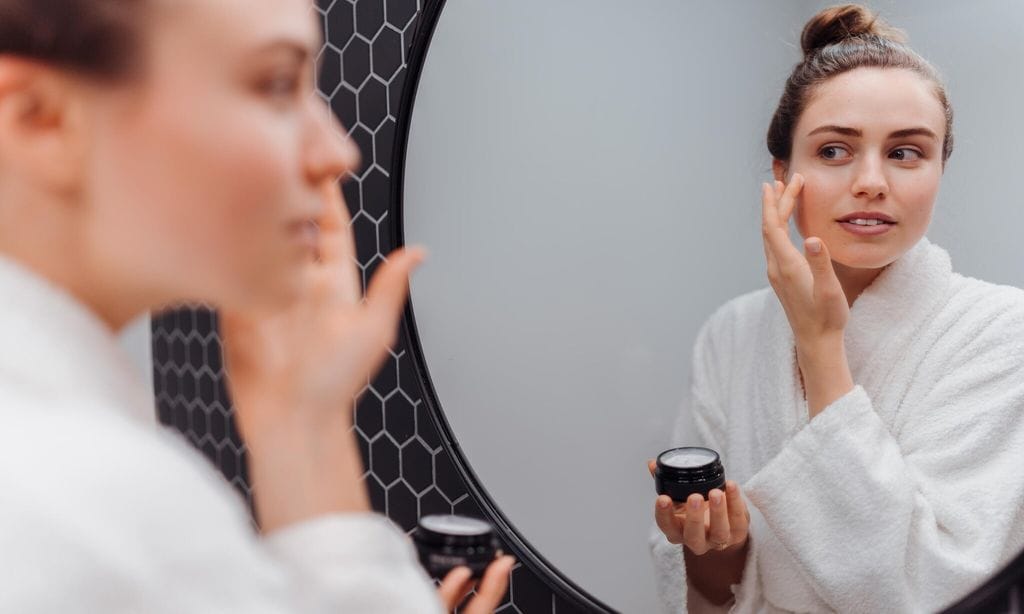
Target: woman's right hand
column 489, row 593
column 718, row 524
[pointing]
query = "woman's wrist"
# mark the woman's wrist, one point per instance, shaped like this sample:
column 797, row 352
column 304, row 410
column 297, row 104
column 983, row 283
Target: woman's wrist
column 299, row 472
column 825, row 371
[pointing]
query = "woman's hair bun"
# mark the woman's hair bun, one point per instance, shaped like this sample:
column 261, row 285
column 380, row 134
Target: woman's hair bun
column 838, row 23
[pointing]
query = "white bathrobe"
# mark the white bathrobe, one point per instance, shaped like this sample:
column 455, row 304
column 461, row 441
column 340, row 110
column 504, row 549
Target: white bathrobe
column 901, row 496
column 101, row 510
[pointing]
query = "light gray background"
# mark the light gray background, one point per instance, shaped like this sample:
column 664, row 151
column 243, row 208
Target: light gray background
column 586, row 175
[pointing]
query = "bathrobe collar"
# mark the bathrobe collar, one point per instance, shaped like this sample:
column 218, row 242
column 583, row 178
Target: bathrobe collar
column 883, row 321
column 54, row 351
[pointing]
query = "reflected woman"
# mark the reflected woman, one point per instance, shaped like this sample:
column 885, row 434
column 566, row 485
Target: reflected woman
column 870, row 401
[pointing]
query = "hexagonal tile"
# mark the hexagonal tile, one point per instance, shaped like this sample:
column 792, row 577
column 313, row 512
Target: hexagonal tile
column 400, row 12
column 376, row 189
column 383, row 144
column 370, row 415
column 369, row 17
column 384, row 460
column 355, row 62
column 340, row 22
column 400, row 417
column 373, row 98
column 432, row 502
column 425, row 427
column 417, row 466
column 402, row 505
column 344, row 105
column 365, row 250
column 386, row 53
column 328, row 71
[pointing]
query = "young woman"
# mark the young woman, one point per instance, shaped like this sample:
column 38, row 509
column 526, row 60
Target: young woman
column 155, row 152
column 870, row 402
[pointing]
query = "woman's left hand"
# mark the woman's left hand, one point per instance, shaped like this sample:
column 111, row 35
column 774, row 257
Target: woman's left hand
column 811, row 296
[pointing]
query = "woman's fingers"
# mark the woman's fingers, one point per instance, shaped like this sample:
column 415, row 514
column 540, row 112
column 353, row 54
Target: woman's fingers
column 694, row 531
column 666, row 519
column 719, row 534
column 336, row 248
column 739, row 517
column 651, row 466
column 389, row 288
column 826, row 284
column 455, row 586
column 787, row 202
column 492, row 587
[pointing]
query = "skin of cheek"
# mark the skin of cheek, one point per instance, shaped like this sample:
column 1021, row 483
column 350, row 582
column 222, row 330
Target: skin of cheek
column 813, row 216
column 202, row 198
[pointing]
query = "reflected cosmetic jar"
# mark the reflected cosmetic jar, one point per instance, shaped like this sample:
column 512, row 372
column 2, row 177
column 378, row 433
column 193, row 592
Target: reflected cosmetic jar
column 446, row 541
column 680, row 472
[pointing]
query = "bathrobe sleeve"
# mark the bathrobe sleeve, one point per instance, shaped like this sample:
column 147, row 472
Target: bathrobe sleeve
column 911, row 517
column 106, row 517
column 702, row 422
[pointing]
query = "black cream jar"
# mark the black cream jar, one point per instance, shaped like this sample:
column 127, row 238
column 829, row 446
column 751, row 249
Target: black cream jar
column 680, row 472
column 447, row 541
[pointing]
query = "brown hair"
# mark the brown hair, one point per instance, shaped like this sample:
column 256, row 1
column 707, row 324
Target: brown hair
column 98, row 38
column 838, row 40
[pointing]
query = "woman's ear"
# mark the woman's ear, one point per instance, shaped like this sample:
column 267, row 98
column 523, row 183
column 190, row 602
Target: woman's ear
column 41, row 132
column 779, row 169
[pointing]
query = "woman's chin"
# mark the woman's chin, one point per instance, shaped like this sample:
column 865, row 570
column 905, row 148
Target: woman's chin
column 865, row 256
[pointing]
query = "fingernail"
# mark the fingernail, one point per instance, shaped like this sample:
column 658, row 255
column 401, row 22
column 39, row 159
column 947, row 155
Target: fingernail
column 662, row 503
column 814, row 246
column 716, row 498
column 695, row 504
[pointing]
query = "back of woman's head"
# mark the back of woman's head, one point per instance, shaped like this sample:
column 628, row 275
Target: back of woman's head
column 838, row 40
column 97, row 38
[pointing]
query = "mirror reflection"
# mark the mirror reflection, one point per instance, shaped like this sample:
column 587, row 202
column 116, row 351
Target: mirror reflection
column 589, row 177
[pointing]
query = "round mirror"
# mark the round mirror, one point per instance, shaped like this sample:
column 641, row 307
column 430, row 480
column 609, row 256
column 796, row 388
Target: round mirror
column 586, row 176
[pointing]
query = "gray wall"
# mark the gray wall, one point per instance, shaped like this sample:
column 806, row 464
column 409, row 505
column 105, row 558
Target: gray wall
column 586, row 175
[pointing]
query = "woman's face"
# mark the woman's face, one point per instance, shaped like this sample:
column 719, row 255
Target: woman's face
column 869, row 145
column 203, row 177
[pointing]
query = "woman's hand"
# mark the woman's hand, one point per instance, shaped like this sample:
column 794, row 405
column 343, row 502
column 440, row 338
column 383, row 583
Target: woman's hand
column 807, row 286
column 714, row 535
column 293, row 376
column 717, row 524
column 811, row 295
column 458, row 584
column 306, row 363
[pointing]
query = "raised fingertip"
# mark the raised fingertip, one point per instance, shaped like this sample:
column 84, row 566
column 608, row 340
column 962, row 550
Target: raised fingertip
column 663, row 502
column 813, row 245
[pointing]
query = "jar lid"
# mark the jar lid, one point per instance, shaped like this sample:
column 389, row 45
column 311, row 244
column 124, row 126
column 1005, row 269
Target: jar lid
column 689, row 457
column 453, row 530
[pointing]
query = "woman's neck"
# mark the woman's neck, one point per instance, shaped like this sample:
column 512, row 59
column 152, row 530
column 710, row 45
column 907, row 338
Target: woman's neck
column 854, row 281
column 43, row 240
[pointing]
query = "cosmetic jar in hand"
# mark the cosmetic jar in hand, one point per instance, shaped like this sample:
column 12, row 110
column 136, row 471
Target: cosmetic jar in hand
column 445, row 542
column 681, row 472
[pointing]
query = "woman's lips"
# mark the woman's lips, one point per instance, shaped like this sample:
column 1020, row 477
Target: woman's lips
column 306, row 232
column 862, row 230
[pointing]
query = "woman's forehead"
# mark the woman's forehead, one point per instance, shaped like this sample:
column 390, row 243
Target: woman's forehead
column 874, row 101
column 236, row 25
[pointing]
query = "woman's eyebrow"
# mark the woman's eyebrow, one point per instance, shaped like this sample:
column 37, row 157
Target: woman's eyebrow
column 295, row 48
column 898, row 134
column 914, row 132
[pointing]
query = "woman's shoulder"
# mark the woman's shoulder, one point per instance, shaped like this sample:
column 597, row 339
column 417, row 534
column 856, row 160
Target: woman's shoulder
column 986, row 301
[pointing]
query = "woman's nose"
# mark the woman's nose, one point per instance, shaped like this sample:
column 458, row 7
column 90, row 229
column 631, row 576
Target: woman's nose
column 870, row 182
column 328, row 151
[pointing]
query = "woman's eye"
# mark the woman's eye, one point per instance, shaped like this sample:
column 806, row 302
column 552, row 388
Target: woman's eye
column 905, row 154
column 834, row 152
column 283, row 86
